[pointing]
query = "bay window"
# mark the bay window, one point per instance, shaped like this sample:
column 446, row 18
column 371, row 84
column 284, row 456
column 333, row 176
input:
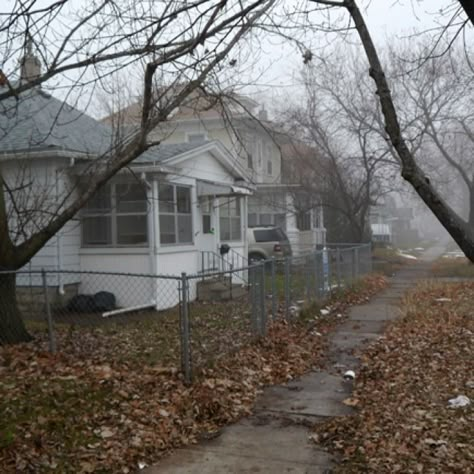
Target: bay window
column 230, row 219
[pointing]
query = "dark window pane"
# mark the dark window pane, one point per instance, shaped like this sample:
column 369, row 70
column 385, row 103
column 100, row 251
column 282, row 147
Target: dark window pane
column 185, row 229
column 266, row 219
column 206, row 224
column 167, row 230
column 269, row 235
column 252, row 220
column 235, row 228
column 131, row 197
column 166, row 197
column 100, row 201
column 96, row 230
column 184, row 200
column 196, row 138
column 132, row 230
column 224, row 228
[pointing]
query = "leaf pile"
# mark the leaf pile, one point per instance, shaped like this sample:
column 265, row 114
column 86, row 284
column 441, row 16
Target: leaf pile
column 89, row 409
column 403, row 423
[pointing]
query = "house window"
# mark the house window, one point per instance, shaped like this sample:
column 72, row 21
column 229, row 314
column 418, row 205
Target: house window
column 206, row 208
column 269, row 167
column 116, row 216
column 303, row 220
column 176, row 226
column 196, row 137
column 250, row 161
column 229, row 219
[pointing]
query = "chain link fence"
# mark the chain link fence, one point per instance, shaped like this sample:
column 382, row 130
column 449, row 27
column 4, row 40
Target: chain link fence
column 185, row 321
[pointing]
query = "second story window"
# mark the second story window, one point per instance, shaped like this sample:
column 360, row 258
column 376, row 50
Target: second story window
column 249, row 161
column 196, row 137
column 269, row 167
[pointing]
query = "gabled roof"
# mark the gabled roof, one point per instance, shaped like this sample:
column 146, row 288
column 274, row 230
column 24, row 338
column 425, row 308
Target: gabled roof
column 174, row 154
column 165, row 152
column 37, row 121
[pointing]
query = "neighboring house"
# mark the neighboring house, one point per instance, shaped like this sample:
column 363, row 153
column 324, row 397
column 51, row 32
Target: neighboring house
column 393, row 224
column 175, row 202
column 246, row 132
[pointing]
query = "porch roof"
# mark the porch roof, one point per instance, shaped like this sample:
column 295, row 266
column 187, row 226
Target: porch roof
column 207, row 188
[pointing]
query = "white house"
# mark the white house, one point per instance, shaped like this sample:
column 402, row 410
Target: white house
column 173, row 204
column 249, row 136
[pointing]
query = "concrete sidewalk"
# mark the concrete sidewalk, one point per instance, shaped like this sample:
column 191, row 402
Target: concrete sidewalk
column 275, row 438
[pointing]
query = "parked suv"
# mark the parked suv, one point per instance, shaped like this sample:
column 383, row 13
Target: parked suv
column 266, row 242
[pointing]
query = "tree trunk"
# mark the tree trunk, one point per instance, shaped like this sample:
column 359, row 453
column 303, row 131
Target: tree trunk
column 457, row 227
column 471, row 206
column 468, row 7
column 12, row 328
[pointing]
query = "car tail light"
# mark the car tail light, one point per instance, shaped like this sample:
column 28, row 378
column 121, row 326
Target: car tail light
column 277, row 248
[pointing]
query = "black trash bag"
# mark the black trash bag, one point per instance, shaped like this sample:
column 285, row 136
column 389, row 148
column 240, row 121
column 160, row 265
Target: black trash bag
column 81, row 304
column 104, row 301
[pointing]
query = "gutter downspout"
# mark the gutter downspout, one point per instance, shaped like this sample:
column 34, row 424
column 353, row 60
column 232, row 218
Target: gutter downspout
column 151, row 192
column 59, row 246
column 155, row 237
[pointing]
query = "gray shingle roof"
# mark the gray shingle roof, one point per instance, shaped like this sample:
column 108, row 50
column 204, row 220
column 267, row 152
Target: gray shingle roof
column 164, row 152
column 37, row 121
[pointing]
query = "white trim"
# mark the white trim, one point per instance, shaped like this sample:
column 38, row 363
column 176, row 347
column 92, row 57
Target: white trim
column 114, row 250
column 219, row 152
column 176, row 248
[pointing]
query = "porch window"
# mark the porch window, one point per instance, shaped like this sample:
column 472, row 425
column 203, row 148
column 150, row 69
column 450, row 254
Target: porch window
column 230, row 219
column 176, row 225
column 116, row 216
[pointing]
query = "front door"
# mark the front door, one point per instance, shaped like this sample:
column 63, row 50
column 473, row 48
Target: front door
column 206, row 238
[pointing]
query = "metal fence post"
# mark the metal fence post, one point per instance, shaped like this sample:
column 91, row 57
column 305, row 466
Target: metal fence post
column 185, row 333
column 287, row 287
column 369, row 250
column 357, row 262
column 338, row 266
column 353, row 255
column 49, row 318
column 263, row 311
column 274, row 296
column 307, row 271
column 317, row 283
column 253, row 298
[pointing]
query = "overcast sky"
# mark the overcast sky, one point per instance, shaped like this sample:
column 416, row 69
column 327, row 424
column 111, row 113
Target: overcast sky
column 388, row 21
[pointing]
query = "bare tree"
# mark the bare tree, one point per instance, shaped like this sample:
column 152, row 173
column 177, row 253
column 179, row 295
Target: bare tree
column 411, row 171
column 354, row 165
column 438, row 95
column 184, row 45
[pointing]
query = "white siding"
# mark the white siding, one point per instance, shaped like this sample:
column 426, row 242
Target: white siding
column 42, row 183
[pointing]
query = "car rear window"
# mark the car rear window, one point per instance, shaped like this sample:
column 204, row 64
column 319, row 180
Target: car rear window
column 269, row 235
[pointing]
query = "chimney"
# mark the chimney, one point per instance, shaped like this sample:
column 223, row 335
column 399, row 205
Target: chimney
column 30, row 64
column 262, row 114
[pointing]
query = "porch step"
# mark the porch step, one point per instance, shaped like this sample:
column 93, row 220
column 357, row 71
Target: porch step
column 212, row 290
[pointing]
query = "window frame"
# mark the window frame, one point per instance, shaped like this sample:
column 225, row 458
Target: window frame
column 175, row 214
column 231, row 218
column 112, row 214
